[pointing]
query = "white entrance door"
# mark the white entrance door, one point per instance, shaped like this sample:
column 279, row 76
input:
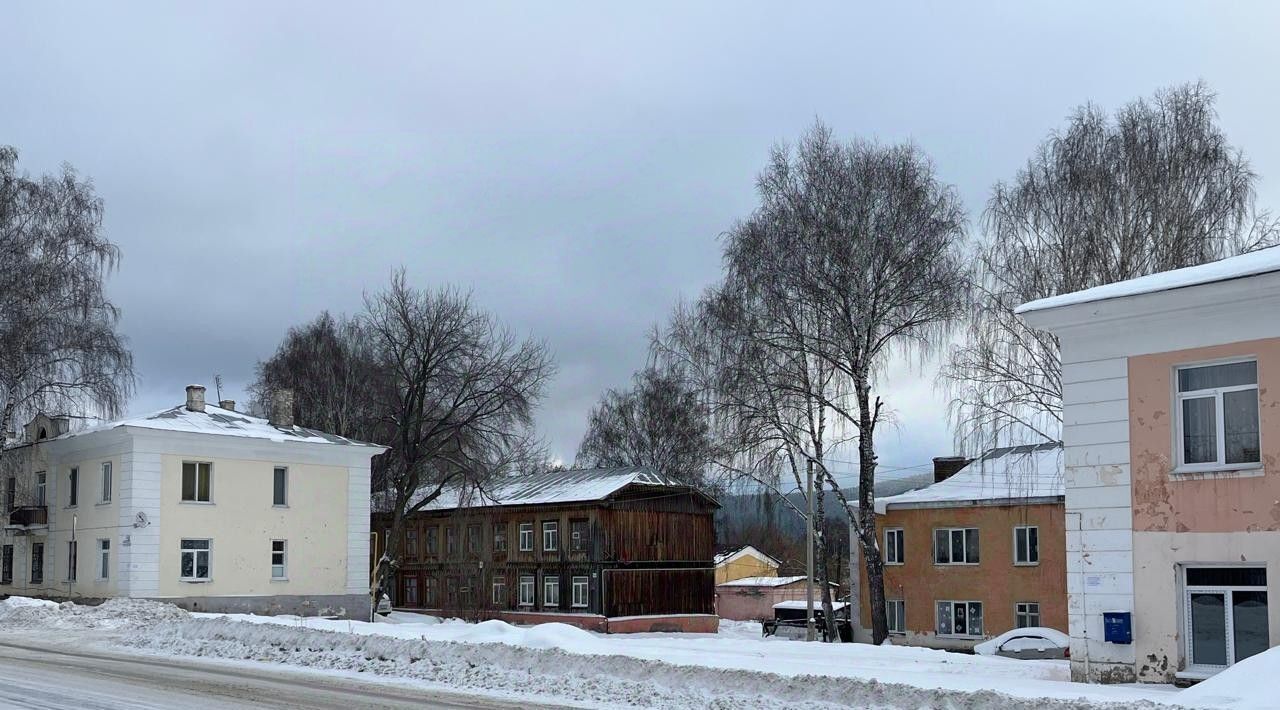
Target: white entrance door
column 1226, row 615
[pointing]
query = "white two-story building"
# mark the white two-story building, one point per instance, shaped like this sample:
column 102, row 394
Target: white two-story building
column 202, row 506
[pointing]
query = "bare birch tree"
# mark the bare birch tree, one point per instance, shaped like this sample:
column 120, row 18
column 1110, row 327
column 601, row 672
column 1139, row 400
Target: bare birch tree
column 59, row 347
column 1157, row 186
column 659, row 422
column 865, row 242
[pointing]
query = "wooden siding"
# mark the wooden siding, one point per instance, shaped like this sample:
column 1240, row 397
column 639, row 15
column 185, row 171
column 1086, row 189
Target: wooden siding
column 637, row 592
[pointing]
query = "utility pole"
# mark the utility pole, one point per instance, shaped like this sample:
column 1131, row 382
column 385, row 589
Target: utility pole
column 808, row 554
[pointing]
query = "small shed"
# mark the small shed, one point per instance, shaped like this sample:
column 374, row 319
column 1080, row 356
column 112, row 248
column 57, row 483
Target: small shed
column 745, row 561
column 754, row 598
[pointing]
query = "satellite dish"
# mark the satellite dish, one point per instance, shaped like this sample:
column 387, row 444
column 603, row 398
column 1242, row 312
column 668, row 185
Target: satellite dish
column 140, row 520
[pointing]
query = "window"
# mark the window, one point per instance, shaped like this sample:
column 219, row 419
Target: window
column 71, row 561
column 580, row 588
column 960, row 618
column 526, row 537
column 550, row 536
column 106, row 482
column 451, row 540
column 73, row 487
column 1026, row 545
column 896, row 609
column 280, row 486
column 499, row 591
column 474, row 539
column 41, row 482
column 37, row 563
column 410, row 591
column 1217, row 409
column 578, row 535
column 411, row 544
column 10, row 490
column 433, row 541
column 6, row 564
column 451, row 592
column 550, row 592
column 955, row 546
column 195, row 560
column 431, row 592
column 1026, row 614
column 526, row 588
column 279, row 559
column 104, row 559
column 196, row 482
column 1226, row 615
column 500, row 537
column 894, row 552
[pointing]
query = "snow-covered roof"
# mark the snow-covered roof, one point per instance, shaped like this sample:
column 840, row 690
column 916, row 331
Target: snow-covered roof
column 1011, row 473
column 1252, row 264
column 762, row 581
column 745, row 551
column 223, row 422
column 557, row 487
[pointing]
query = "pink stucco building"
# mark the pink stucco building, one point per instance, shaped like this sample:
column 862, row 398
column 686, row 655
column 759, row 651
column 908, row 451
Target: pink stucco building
column 1171, row 427
column 752, row 598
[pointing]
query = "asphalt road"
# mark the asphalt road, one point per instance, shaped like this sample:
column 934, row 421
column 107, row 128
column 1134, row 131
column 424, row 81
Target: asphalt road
column 68, row 679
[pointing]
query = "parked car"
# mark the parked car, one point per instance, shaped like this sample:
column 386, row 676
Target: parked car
column 1030, row 642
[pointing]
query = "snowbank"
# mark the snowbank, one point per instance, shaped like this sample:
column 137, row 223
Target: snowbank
column 1250, row 684
column 26, row 613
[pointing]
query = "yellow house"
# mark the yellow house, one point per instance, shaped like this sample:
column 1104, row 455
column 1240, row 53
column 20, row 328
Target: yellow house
column 746, row 561
column 203, row 506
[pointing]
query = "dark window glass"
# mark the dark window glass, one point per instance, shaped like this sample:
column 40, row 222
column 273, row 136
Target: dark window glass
column 1199, row 430
column 1208, row 629
column 1227, row 576
column 1249, row 623
column 1191, row 379
column 1240, row 426
column 278, row 486
column 941, row 547
column 971, row 546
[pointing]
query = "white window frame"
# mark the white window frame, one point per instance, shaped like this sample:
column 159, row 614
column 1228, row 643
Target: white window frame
column 103, row 549
column 525, row 533
column 284, row 561
column 1024, row 609
column 937, row 621
column 1024, row 530
column 195, row 562
column 1227, row 591
column 950, row 533
column 33, row 557
column 581, row 587
column 104, row 494
column 196, row 491
column 551, row 536
column 895, row 554
column 1219, row 420
column 550, row 588
column 285, row 488
column 498, row 590
column 901, row 605
column 527, row 584
column 42, row 488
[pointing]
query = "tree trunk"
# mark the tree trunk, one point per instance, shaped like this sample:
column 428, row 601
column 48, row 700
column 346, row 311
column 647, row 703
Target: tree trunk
column 820, row 555
column 386, row 565
column 867, row 416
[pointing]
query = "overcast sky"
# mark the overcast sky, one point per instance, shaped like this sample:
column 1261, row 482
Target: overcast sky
column 572, row 164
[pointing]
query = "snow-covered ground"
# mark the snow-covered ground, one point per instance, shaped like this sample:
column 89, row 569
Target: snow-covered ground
column 560, row 663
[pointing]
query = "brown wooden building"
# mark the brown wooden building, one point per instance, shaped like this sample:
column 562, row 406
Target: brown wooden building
column 616, row 549
column 978, row 553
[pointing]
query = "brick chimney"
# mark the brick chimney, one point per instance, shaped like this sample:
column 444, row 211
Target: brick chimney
column 195, row 398
column 282, row 408
column 228, row 404
column 945, row 467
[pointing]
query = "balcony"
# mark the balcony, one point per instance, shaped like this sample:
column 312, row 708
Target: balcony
column 28, row 516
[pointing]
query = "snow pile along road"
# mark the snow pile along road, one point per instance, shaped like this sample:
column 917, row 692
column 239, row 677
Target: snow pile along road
column 25, row 613
column 1251, row 684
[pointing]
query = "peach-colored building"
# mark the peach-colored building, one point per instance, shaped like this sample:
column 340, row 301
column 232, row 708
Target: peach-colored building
column 752, row 598
column 1171, row 412
column 979, row 552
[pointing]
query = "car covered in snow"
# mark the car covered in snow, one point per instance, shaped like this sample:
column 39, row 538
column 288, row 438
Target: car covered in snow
column 1029, row 642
